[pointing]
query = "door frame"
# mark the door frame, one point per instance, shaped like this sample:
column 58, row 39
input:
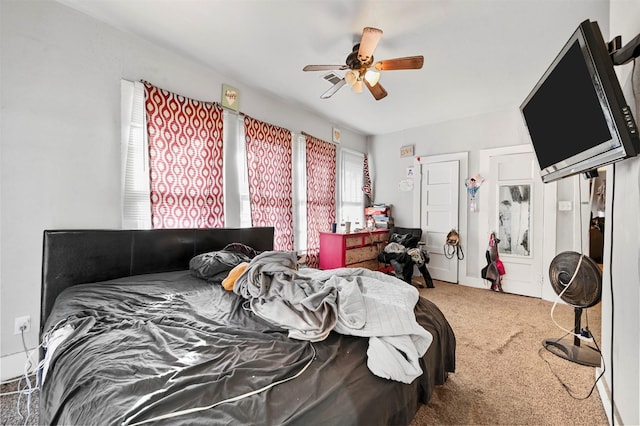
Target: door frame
column 549, row 201
column 463, row 171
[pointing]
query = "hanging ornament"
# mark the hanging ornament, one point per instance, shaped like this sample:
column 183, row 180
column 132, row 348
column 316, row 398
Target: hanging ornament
column 473, row 185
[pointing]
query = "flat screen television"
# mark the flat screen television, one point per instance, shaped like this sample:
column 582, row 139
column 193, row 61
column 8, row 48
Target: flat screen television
column 576, row 114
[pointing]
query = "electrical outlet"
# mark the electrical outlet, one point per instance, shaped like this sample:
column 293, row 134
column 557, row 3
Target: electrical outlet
column 22, row 322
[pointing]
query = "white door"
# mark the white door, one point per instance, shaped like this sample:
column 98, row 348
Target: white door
column 514, row 207
column 439, row 214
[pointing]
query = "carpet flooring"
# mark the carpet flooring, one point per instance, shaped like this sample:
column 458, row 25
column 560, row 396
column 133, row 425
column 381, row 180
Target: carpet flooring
column 16, row 409
column 502, row 377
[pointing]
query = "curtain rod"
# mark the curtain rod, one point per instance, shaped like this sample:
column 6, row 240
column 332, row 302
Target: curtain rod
column 320, row 139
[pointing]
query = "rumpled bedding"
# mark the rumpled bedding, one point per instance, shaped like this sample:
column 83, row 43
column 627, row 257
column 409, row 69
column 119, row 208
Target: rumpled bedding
column 311, row 303
column 215, row 266
column 151, row 345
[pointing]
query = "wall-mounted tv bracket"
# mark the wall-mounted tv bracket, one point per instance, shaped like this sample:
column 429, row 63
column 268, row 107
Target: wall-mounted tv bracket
column 622, row 55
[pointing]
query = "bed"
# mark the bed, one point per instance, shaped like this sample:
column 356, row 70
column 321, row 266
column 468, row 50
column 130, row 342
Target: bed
column 133, row 336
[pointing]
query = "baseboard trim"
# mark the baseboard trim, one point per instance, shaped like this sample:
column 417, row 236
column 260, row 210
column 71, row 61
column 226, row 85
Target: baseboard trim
column 12, row 365
column 466, row 281
column 605, row 396
column 474, row 282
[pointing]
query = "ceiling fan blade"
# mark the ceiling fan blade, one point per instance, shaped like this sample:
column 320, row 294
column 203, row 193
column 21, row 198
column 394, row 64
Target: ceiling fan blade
column 368, row 42
column 407, row 63
column 333, row 89
column 377, row 90
column 324, row 67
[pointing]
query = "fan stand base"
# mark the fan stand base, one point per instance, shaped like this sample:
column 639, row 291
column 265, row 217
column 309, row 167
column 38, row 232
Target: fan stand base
column 567, row 349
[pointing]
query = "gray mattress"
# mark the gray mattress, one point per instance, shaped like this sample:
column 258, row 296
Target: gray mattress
column 154, row 344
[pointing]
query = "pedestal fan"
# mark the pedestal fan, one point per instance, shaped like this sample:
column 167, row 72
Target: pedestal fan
column 577, row 280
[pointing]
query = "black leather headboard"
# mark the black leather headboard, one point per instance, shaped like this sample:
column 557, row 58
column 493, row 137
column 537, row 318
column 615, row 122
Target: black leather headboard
column 71, row 257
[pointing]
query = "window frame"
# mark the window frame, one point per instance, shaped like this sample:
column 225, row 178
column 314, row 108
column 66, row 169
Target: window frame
column 350, row 181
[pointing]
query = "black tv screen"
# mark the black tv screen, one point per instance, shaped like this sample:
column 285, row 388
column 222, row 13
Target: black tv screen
column 576, row 114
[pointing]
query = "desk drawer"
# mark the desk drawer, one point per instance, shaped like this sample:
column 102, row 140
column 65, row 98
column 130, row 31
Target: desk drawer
column 360, row 254
column 376, row 237
column 369, row 264
column 353, row 241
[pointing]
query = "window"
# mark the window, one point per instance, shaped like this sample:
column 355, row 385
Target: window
column 320, row 193
column 243, row 190
column 181, row 152
column 136, row 199
column 185, row 160
column 269, row 164
column 136, row 188
column 300, row 222
column 351, row 182
column 299, row 188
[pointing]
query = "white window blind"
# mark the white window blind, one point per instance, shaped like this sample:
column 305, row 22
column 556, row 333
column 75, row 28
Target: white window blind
column 135, row 193
column 245, row 202
column 351, row 197
column 299, row 154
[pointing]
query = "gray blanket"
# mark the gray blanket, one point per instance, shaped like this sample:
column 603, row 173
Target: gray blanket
column 310, row 303
column 187, row 343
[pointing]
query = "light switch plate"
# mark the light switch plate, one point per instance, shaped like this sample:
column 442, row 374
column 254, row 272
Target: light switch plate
column 565, row 206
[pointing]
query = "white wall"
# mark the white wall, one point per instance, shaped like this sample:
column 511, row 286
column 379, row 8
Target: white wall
column 60, row 136
column 469, row 134
column 624, row 313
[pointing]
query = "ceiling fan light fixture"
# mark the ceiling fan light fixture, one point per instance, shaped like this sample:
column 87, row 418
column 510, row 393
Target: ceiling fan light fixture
column 351, row 77
column 361, row 69
column 372, row 77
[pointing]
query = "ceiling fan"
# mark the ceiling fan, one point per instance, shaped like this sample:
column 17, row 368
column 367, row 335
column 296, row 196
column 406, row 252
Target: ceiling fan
column 361, row 68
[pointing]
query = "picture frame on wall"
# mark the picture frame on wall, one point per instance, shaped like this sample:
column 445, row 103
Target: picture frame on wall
column 336, row 134
column 406, row 151
column 230, row 97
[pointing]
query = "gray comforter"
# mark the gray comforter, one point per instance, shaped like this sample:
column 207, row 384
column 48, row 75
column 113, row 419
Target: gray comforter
column 310, row 303
column 154, row 345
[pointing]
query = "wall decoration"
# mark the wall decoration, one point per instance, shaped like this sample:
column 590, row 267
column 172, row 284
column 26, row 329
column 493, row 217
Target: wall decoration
column 230, row 97
column 336, row 134
column 406, row 151
column 473, row 185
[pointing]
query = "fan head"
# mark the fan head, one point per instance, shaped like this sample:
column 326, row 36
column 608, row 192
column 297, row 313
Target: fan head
column 355, row 62
column 586, row 288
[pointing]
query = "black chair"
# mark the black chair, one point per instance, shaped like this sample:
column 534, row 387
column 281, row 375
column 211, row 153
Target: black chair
column 402, row 262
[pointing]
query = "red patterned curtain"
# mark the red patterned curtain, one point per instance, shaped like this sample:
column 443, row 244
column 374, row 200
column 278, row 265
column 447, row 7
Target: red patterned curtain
column 185, row 154
column 269, row 169
column 367, row 187
column 321, row 193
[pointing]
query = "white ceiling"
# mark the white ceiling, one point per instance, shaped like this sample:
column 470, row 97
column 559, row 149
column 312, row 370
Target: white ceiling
column 480, row 55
